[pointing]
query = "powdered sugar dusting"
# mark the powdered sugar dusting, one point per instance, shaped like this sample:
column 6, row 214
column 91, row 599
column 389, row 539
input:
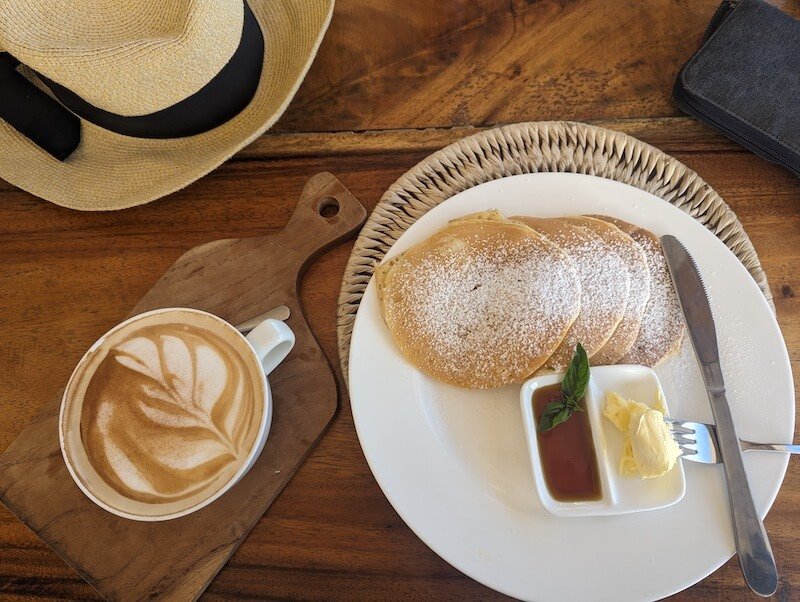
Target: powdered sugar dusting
column 604, row 283
column 662, row 324
column 482, row 310
column 487, row 302
column 624, row 336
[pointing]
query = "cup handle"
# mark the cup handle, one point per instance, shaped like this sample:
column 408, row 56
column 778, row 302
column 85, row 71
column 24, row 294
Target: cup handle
column 272, row 341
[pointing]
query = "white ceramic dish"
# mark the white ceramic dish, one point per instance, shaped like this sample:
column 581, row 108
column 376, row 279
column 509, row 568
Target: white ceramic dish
column 620, row 495
column 455, row 466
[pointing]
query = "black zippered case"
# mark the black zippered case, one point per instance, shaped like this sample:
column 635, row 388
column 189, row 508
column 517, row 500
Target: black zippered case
column 745, row 80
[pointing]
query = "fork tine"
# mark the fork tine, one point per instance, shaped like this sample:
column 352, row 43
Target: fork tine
column 680, row 427
column 697, row 440
column 683, row 432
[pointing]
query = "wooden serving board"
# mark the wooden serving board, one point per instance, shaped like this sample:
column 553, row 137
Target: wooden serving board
column 236, row 279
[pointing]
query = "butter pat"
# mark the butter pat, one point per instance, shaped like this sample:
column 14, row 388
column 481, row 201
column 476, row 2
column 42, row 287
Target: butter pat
column 648, row 449
column 654, row 450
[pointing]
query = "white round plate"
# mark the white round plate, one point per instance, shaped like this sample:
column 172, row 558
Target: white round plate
column 454, row 463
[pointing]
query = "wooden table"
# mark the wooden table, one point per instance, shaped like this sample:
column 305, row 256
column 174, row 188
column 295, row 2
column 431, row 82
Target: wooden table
column 393, row 81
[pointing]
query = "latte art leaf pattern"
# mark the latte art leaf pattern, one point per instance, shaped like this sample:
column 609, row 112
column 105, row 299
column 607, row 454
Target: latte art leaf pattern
column 170, row 412
column 174, row 398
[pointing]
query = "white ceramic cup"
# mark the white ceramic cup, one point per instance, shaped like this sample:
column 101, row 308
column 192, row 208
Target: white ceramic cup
column 269, row 343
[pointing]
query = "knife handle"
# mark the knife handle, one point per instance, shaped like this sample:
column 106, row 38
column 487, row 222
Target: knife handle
column 752, row 545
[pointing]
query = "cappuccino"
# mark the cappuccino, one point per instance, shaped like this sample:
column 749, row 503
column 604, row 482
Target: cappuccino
column 170, row 411
column 167, row 410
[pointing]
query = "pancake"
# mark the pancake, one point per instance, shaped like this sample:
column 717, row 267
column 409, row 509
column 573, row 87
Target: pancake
column 623, row 338
column 482, row 303
column 662, row 328
column 604, row 284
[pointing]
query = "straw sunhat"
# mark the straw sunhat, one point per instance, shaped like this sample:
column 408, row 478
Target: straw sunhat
column 159, row 92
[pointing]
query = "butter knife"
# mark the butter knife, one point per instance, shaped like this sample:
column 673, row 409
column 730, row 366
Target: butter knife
column 752, row 545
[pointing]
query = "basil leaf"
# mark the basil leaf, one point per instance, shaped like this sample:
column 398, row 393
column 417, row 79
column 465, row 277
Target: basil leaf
column 562, row 416
column 572, row 389
column 552, row 410
column 577, row 377
column 573, row 403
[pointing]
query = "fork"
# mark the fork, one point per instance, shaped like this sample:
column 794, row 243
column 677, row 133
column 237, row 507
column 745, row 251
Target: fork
column 698, row 442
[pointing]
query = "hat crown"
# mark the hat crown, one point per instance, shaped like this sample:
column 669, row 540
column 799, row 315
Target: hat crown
column 129, row 57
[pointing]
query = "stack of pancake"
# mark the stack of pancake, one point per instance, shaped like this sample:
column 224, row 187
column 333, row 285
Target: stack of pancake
column 489, row 301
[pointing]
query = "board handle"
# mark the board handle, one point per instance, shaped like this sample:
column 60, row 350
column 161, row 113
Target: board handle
column 326, row 214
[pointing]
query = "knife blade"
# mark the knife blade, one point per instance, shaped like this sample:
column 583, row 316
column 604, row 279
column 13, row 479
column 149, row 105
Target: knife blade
column 752, row 545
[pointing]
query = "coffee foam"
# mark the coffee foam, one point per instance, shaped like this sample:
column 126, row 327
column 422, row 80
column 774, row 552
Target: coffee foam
column 170, row 409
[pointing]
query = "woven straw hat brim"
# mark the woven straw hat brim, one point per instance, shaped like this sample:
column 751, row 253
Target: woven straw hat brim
column 111, row 171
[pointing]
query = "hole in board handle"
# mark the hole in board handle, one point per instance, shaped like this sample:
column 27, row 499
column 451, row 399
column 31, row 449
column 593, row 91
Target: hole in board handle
column 328, row 207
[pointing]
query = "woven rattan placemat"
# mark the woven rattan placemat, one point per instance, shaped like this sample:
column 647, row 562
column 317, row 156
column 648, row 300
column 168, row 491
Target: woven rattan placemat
column 547, row 146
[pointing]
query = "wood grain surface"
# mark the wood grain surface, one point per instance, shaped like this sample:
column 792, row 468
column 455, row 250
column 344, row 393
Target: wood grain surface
column 236, row 279
column 393, row 81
